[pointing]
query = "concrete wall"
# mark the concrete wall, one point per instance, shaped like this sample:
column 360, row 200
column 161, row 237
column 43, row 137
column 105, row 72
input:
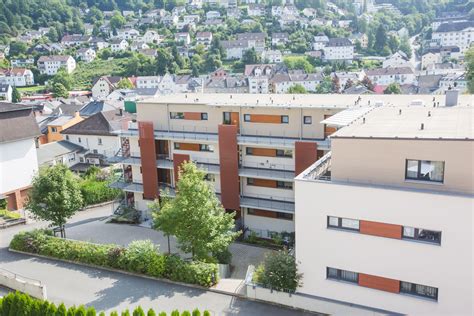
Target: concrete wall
column 258, row 223
column 18, row 164
column 382, row 161
column 18, row 283
column 448, row 267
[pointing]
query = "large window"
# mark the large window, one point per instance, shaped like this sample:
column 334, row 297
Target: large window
column 285, row 185
column 285, row 119
column 204, row 116
column 177, row 115
column 286, row 153
column 420, row 234
column 308, row 120
column 424, row 170
column 247, row 118
column 342, row 275
column 419, row 290
column 206, row 147
column 343, row 223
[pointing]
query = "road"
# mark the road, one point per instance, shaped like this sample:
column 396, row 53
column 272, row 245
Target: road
column 75, row 285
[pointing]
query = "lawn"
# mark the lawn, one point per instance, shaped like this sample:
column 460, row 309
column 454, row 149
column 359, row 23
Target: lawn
column 86, row 72
column 31, row 89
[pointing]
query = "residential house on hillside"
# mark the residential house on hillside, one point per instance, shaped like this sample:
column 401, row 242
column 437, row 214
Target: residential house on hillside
column 256, row 9
column 61, row 122
column 94, row 107
column 127, row 34
column 51, row 64
column 183, row 38
column 86, row 54
column 75, row 39
column 320, row 41
column 227, row 84
column 18, row 162
column 103, row 86
column 118, row 45
column 22, row 62
column 60, row 152
column 339, row 49
column 272, row 56
column 460, row 34
column 6, row 92
column 204, row 38
column 280, row 39
column 397, row 59
column 254, row 40
column 281, row 82
column 386, row 76
column 17, row 77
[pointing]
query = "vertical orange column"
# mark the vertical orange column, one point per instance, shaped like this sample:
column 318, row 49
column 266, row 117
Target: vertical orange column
column 306, row 153
column 178, row 160
column 148, row 158
column 229, row 167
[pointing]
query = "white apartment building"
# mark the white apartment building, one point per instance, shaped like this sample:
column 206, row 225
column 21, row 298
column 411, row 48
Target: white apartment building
column 118, row 45
column 258, row 85
column 17, row 77
column 147, row 82
column 86, row 54
column 339, row 49
column 204, row 38
column 272, row 56
column 250, row 145
column 396, row 60
column 127, row 34
column 51, row 64
column 6, row 92
column 386, row 76
column 18, row 162
column 460, row 34
column 103, row 86
column 374, row 217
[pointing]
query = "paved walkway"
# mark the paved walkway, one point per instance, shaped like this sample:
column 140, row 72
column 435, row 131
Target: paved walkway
column 73, row 284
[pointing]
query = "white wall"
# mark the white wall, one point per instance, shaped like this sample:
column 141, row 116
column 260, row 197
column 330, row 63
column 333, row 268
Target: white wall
column 258, row 223
column 18, row 164
column 448, row 266
column 110, row 144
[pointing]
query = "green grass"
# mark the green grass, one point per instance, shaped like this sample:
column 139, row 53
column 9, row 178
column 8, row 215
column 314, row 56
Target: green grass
column 85, row 73
column 31, row 89
column 9, row 215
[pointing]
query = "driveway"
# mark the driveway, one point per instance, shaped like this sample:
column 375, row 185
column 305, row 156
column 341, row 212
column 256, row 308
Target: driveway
column 74, row 285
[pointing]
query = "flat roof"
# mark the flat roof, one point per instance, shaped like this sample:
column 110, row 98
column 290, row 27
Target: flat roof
column 297, row 100
column 455, row 122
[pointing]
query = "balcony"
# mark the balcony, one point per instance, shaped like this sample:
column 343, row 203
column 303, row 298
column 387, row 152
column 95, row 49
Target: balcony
column 263, row 171
column 127, row 186
column 268, row 203
column 320, row 170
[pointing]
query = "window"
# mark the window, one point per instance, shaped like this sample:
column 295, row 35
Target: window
column 54, row 129
column 424, row 170
column 81, row 159
column 67, row 137
column 247, row 118
column 204, row 116
column 250, row 181
column 308, row 120
column 418, row 289
column 286, row 216
column 79, row 139
column 342, row 275
column 99, row 141
column 285, row 119
column 210, row 177
column 227, row 119
column 249, row 150
column 176, row 145
column 284, row 185
column 419, row 234
column 176, row 115
column 206, row 147
column 287, row 153
column 343, row 223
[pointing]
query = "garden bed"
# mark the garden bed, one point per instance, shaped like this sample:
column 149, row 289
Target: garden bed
column 141, row 257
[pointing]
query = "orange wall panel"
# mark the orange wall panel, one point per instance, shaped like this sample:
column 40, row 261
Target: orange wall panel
column 265, row 118
column 306, row 153
column 178, row 160
column 265, row 152
column 380, row 229
column 265, row 183
column 188, row 146
column 263, row 213
column 379, row 283
column 193, row 116
column 229, row 167
column 148, row 158
column 234, row 118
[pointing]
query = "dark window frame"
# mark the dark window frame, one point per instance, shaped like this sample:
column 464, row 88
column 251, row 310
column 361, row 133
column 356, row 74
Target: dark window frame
column 249, row 151
column 283, row 185
column 339, row 224
column 310, row 120
column 283, row 120
column 177, row 115
column 339, row 276
column 416, row 236
column 226, row 121
column 176, row 146
column 284, row 216
column 414, row 292
column 202, row 147
column 282, row 153
column 418, row 173
column 204, row 116
column 247, row 118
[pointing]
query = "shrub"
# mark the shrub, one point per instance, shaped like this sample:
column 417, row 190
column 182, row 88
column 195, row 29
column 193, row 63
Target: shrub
column 140, row 257
column 94, row 192
column 8, row 214
column 279, row 271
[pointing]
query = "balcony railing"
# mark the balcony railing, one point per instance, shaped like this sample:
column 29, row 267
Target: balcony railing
column 129, row 187
column 265, row 173
column 268, row 203
column 320, row 170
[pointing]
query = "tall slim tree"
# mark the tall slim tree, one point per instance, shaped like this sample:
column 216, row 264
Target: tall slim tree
column 16, row 96
column 470, row 69
column 55, row 196
column 195, row 217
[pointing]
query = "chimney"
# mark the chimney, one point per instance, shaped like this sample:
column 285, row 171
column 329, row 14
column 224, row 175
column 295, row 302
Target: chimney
column 422, row 127
column 120, row 112
column 451, row 97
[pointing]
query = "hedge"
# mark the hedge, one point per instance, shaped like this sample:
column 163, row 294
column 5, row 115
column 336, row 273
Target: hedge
column 22, row 304
column 140, row 256
column 94, row 192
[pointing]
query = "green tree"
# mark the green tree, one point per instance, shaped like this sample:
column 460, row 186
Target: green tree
column 117, row 21
column 55, row 195
column 393, row 88
column 17, row 48
column 335, row 84
column 16, row 96
column 63, row 77
column 250, row 57
column 124, row 83
column 325, row 86
column 469, row 60
column 405, row 46
column 279, row 271
column 60, row 91
column 297, row 89
column 380, row 38
column 196, row 217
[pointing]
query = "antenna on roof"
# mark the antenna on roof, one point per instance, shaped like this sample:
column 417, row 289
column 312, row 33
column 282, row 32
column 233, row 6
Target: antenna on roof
column 422, row 127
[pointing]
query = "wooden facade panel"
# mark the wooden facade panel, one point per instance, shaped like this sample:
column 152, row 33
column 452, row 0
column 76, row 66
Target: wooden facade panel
column 229, row 167
column 235, row 118
column 148, row 159
column 328, row 130
column 188, row 146
column 192, row 116
column 264, row 213
column 265, row 152
column 265, row 118
column 178, row 160
column 379, row 283
column 306, row 153
column 380, row 229
column 264, row 183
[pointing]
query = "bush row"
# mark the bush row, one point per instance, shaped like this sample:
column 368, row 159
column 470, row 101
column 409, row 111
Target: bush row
column 14, row 304
column 94, row 192
column 140, row 256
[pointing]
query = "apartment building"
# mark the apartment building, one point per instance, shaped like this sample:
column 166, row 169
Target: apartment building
column 50, row 65
column 339, row 49
column 385, row 219
column 17, row 77
column 251, row 147
column 460, row 34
